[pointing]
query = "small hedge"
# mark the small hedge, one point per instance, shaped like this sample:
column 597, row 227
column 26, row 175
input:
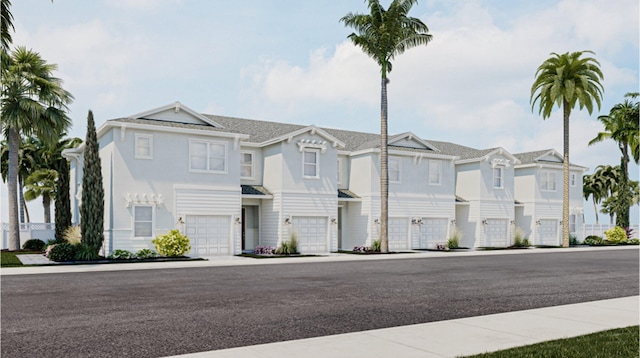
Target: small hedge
column 172, row 244
column 34, row 245
column 61, row 252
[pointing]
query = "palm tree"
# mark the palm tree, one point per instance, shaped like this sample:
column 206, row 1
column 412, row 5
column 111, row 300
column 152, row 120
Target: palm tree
column 33, row 103
column 565, row 80
column 621, row 125
column 42, row 183
column 384, row 34
column 27, row 163
column 593, row 187
column 6, row 23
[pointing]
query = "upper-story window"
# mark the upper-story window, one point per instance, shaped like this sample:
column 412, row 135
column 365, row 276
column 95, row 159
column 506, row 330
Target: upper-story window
column 207, row 156
column 246, row 165
column 572, row 179
column 142, row 221
column 548, row 181
column 310, row 160
column 144, row 146
column 395, row 170
column 339, row 172
column 498, row 177
column 435, row 172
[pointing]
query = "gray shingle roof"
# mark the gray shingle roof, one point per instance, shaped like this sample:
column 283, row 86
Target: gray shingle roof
column 460, row 150
column 530, row 157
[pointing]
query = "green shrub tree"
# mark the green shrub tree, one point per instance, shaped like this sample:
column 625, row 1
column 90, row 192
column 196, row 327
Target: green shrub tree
column 62, row 208
column 92, row 207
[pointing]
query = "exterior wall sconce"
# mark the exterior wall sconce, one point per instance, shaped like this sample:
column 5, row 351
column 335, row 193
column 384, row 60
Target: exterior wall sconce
column 416, row 221
column 538, row 222
column 334, row 221
column 453, row 221
column 180, row 220
column 513, row 222
column 484, row 221
column 287, row 220
column 376, row 221
column 237, row 219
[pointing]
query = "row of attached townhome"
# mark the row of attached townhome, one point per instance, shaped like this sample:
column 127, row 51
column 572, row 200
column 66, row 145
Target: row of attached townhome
column 233, row 184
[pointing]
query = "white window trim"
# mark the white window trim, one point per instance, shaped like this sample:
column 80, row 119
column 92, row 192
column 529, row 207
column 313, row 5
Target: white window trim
column 501, row 171
column 544, row 179
column 133, row 221
column 317, row 151
column 439, row 166
column 339, row 174
column 209, row 142
column 399, row 181
column 135, row 143
column 253, row 165
column 573, row 179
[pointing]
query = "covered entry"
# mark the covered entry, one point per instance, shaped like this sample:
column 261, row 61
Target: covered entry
column 312, row 233
column 209, row 234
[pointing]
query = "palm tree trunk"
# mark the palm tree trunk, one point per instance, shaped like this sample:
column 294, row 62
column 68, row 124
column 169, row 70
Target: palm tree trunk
column 565, row 181
column 46, row 202
column 595, row 208
column 24, row 210
column 622, row 217
column 12, row 184
column 384, row 170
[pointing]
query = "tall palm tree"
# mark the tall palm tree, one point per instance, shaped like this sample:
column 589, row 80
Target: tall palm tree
column 565, row 80
column 33, row 103
column 382, row 35
column 621, row 125
column 6, row 24
column 42, row 183
column 28, row 162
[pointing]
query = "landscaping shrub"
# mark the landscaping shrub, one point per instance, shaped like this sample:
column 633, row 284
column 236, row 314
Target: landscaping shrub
column 616, row 235
column 361, row 249
column 629, row 232
column 632, row 242
column 34, row 245
column 73, row 235
column 573, row 240
column 122, row 255
column 525, row 242
column 375, row 246
column 442, row 247
column 172, row 244
column 288, row 247
column 146, row 254
column 519, row 237
column 454, row 240
column 593, row 240
column 86, row 253
column 61, row 252
column 264, row 250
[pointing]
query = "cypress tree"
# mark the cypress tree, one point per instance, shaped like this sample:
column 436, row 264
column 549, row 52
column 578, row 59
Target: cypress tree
column 63, row 203
column 92, row 207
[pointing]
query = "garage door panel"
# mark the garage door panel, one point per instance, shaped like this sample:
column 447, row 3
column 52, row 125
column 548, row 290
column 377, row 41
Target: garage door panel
column 433, row 231
column 398, row 233
column 312, row 233
column 496, row 233
column 209, row 234
column 548, row 232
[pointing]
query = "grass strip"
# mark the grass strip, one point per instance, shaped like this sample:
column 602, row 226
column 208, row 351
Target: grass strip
column 615, row 343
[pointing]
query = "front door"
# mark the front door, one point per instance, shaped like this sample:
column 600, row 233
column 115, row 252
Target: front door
column 244, row 227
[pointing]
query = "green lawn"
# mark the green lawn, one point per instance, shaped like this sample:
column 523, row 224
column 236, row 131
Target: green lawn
column 616, row 343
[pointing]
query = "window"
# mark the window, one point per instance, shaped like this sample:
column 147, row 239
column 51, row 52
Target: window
column 339, row 172
column 572, row 180
column 435, row 172
column 548, row 181
column 144, row 146
column 310, row 163
column 394, row 170
column 143, row 221
column 208, row 156
column 246, row 165
column 497, row 177
column 572, row 223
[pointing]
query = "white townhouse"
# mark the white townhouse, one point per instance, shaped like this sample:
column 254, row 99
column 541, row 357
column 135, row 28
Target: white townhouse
column 232, row 184
column 484, row 188
column 538, row 188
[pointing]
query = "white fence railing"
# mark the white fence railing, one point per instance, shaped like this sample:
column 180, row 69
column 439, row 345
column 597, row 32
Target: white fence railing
column 29, row 231
column 592, row 229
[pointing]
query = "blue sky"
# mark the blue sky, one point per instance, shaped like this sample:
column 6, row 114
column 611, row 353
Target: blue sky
column 290, row 61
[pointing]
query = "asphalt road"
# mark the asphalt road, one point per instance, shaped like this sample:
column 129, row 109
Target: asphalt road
column 154, row 313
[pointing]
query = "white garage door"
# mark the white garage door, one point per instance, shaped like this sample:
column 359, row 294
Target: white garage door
column 398, row 233
column 209, row 234
column 312, row 233
column 548, row 232
column 496, row 232
column 433, row 231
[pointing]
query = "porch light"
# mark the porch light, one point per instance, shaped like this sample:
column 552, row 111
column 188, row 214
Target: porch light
column 484, row 222
column 180, row 220
column 538, row 222
column 453, row 221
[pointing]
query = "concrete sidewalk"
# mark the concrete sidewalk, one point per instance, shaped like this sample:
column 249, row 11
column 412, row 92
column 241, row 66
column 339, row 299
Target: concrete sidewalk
column 460, row 337
column 214, row 261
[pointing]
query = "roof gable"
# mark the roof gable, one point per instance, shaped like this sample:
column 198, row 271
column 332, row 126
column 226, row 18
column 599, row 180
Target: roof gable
column 309, row 129
column 410, row 140
column 176, row 112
